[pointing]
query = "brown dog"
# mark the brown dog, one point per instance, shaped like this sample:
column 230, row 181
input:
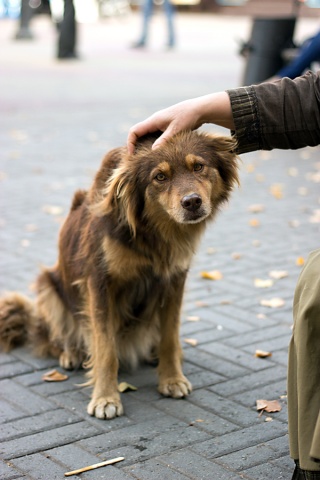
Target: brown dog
column 124, row 252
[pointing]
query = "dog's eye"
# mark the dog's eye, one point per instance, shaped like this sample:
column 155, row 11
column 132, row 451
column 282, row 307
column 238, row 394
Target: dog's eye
column 198, row 167
column 160, row 177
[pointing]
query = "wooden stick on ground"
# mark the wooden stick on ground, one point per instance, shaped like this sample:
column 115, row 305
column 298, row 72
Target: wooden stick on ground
column 93, row 467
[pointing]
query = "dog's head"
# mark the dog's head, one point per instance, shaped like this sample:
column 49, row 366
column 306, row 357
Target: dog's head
column 185, row 181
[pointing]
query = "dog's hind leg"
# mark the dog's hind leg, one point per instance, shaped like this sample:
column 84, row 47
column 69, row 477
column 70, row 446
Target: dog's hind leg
column 64, row 331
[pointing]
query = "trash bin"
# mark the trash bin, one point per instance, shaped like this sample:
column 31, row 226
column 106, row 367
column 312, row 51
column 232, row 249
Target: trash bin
column 263, row 52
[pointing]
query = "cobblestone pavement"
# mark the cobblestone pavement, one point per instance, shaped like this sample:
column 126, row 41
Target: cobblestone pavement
column 57, row 120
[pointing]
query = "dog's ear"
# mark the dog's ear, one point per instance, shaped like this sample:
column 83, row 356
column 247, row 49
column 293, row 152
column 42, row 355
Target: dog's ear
column 225, row 158
column 119, row 196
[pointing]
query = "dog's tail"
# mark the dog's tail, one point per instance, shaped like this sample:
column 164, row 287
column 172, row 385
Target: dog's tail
column 20, row 325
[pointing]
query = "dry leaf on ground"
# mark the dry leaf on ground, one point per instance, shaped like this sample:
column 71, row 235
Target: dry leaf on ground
column 213, row 275
column 275, row 302
column 259, row 283
column 262, row 354
column 191, row 341
column 254, row 222
column 277, row 190
column 278, row 274
column 300, row 261
column 269, row 406
column 193, row 318
column 52, row 210
column 124, row 387
column 256, row 208
column 315, row 217
column 54, row 376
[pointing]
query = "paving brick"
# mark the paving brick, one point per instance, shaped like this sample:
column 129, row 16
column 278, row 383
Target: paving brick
column 197, row 466
column 47, row 439
column 252, row 380
column 23, row 398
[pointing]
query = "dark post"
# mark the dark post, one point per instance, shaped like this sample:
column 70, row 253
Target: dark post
column 263, row 52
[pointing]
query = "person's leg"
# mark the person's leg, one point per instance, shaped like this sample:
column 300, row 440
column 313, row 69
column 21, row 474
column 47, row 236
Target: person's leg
column 304, row 370
column 146, row 16
column 308, row 54
column 67, row 32
column 169, row 11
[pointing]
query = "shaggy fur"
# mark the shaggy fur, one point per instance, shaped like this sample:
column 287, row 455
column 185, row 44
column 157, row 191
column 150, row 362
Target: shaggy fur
column 124, row 251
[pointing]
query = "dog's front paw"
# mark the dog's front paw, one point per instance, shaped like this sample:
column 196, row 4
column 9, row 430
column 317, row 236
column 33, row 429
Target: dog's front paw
column 105, row 407
column 177, row 387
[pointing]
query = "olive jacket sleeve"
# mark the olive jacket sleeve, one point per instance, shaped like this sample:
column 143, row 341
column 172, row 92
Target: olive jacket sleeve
column 284, row 114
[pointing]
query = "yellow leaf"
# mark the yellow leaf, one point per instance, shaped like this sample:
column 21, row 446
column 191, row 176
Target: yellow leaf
column 300, row 261
column 236, row 256
column 254, row 222
column 262, row 354
column 277, row 190
column 124, row 387
column 273, row 302
column 213, row 275
column 54, row 376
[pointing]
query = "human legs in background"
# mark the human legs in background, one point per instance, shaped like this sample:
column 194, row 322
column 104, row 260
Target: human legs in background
column 309, row 53
column 67, row 32
column 147, row 14
column 304, row 374
column 169, row 11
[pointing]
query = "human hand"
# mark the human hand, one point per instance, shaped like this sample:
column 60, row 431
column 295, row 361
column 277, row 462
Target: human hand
column 172, row 120
column 188, row 115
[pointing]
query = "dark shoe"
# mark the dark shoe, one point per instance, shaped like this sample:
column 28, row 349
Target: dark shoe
column 67, row 56
column 140, row 44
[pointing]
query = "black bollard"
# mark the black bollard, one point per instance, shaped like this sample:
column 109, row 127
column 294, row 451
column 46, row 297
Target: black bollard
column 263, row 52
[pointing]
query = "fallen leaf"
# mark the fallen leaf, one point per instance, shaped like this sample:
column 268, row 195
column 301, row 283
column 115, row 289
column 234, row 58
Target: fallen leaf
column 193, row 318
column 269, row 406
column 261, row 316
column 52, row 209
column 302, row 191
column 213, row 275
column 256, row 208
column 256, row 243
column 277, row 190
column 300, row 261
column 273, row 302
column 250, row 168
column 124, row 387
column 54, row 376
column 254, row 222
column 294, row 223
column 202, row 304
column 315, row 217
column 262, row 354
column 191, row 341
column 268, row 419
column 236, row 256
column 293, row 172
column 278, row 274
column 259, row 283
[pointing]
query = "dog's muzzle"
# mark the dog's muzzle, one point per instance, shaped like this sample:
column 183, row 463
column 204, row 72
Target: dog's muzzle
column 191, row 202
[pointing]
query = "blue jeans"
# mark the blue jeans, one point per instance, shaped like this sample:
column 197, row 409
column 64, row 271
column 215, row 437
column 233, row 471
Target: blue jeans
column 309, row 53
column 147, row 13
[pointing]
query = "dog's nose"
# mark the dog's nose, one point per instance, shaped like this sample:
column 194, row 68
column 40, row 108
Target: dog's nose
column 191, row 202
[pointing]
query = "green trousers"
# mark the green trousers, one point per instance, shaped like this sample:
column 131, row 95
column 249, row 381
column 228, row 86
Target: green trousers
column 304, row 369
